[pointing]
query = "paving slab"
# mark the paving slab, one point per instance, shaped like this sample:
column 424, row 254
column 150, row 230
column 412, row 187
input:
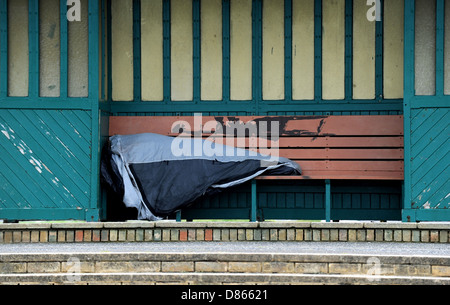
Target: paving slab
column 375, row 248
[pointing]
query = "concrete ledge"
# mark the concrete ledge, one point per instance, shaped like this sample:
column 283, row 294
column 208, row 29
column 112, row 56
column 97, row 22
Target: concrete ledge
column 221, row 268
column 227, row 257
column 154, row 278
column 142, row 231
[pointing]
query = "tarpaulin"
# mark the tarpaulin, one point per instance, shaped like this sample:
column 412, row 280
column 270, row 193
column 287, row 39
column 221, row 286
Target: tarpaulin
column 159, row 175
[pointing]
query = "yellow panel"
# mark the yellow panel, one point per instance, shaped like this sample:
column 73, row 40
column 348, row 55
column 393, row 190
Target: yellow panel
column 211, row 50
column 273, row 50
column 363, row 52
column 241, row 50
column 122, row 50
column 447, row 48
column 181, row 50
column 78, row 54
column 333, row 48
column 18, row 48
column 393, row 49
column 152, row 50
column 49, row 48
column 303, row 49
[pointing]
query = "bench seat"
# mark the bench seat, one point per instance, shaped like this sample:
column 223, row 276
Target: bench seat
column 326, row 147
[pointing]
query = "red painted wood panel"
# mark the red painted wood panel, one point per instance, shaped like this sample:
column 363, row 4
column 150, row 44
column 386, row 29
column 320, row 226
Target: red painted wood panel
column 326, row 147
column 289, row 126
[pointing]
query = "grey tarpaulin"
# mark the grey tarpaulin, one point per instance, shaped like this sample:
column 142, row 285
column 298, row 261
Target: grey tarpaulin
column 159, row 175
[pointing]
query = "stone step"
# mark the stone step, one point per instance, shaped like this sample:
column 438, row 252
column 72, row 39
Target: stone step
column 201, row 278
column 197, row 268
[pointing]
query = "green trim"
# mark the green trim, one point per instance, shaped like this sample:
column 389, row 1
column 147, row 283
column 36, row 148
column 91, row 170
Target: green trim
column 356, row 107
column 196, row 37
column 93, row 214
column 137, row 84
column 318, row 50
column 415, row 215
column 226, row 50
column 166, row 51
column 328, row 200
column 440, row 42
column 45, row 103
column 417, row 102
column 46, row 214
column 256, row 54
column 348, row 49
column 33, row 48
column 254, row 201
column 64, row 43
column 379, row 40
column 288, row 50
column 409, row 91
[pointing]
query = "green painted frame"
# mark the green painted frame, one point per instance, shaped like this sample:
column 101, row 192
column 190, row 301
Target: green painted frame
column 256, row 106
column 413, row 102
column 91, row 210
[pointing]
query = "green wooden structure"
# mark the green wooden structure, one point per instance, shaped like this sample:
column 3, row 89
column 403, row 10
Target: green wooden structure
column 61, row 80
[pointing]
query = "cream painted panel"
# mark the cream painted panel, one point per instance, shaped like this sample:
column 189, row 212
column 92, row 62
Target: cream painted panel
column 363, row 52
column 425, row 47
column 333, row 47
column 211, row 50
column 122, row 50
column 181, row 50
column 393, row 49
column 78, row 54
column 18, row 48
column 241, row 49
column 49, row 48
column 303, row 49
column 273, row 50
column 447, row 48
column 152, row 50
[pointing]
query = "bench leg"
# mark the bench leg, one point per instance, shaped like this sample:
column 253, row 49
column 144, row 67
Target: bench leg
column 327, row 200
column 253, row 208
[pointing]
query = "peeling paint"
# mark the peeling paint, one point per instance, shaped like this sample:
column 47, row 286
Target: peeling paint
column 426, row 205
column 26, row 151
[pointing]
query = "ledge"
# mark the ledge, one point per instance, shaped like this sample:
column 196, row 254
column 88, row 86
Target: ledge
column 171, row 231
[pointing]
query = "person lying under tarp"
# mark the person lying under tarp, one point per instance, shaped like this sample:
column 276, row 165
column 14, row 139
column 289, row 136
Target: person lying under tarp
column 159, row 175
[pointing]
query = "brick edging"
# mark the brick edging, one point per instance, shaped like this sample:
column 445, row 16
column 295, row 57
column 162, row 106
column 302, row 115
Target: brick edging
column 224, row 231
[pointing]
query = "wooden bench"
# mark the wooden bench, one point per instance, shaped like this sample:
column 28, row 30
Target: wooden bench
column 326, row 147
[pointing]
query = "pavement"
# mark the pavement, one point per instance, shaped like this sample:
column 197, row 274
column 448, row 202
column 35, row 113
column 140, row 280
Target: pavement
column 364, row 248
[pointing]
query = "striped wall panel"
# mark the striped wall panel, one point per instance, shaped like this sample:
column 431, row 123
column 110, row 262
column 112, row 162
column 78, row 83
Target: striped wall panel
column 45, row 164
column 430, row 151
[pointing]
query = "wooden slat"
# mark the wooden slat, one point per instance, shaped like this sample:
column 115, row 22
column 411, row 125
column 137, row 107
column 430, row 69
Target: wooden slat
column 288, row 126
column 372, row 165
column 340, row 175
column 348, row 125
column 310, row 142
column 338, row 154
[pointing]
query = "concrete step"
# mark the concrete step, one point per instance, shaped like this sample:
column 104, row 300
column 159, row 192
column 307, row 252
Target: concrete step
column 202, row 278
column 219, row 268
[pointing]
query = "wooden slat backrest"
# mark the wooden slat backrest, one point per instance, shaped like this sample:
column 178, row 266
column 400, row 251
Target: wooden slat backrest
column 326, row 147
column 297, row 126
